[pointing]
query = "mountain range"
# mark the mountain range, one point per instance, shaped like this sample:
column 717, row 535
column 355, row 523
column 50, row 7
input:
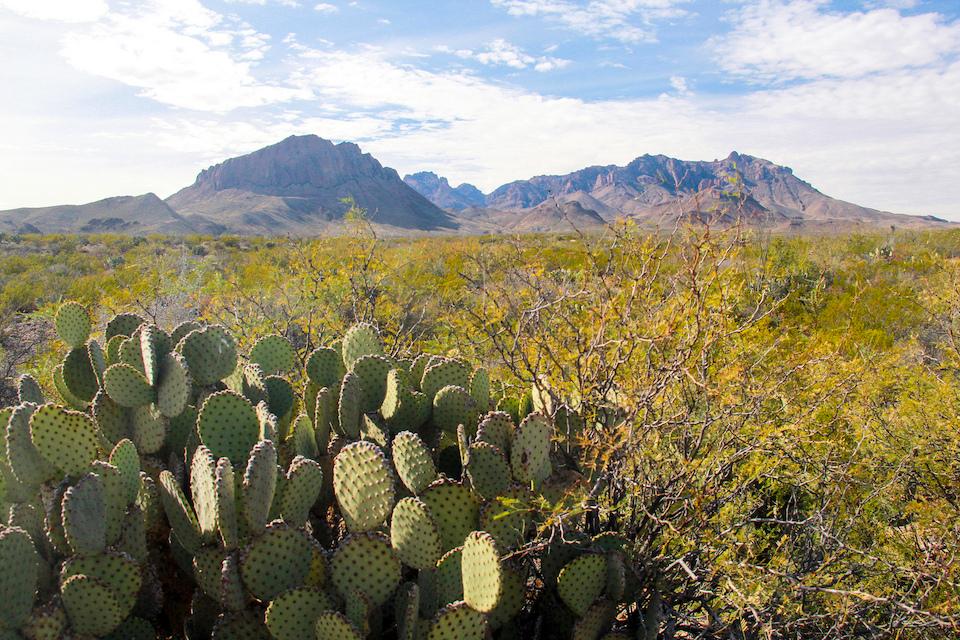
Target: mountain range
column 305, row 185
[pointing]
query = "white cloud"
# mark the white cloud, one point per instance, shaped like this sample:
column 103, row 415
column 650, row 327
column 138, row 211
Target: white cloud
column 179, row 53
column 629, row 21
column 58, row 10
column 499, row 52
column 293, row 4
column 803, row 39
column 326, row 7
column 680, row 85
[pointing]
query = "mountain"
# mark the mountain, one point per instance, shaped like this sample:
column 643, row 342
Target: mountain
column 123, row 214
column 298, row 187
column 440, row 193
column 658, row 190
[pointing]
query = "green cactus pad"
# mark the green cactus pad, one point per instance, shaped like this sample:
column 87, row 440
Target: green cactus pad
column 595, row 621
column 124, row 324
column 130, row 352
column 333, row 625
column 582, row 581
column 152, row 340
column 211, row 354
column 207, row 568
column 98, row 359
column 616, row 582
column 530, row 451
column 228, row 425
column 512, row 598
column 182, row 329
column 78, row 374
column 225, row 485
column 348, row 409
column 28, row 389
column 372, row 371
column 317, row 576
column 293, row 614
column 240, row 625
column 233, row 595
column 458, row 622
column 46, row 623
column 444, row 374
column 417, row 367
column 487, row 469
column 259, row 484
column 113, row 420
column 133, row 628
column 65, row 394
column 415, row 466
column 268, row 425
column 113, row 349
column 114, row 498
column 19, row 578
column 453, row 406
column 274, row 353
column 127, row 461
column 119, row 572
column 399, row 407
column 482, row 576
column 360, row 340
column 480, row 388
column 174, row 385
column 450, row 577
column 454, row 508
column 28, row 466
column 249, row 382
column 509, row 517
column 183, row 428
column 127, row 387
column 497, row 428
column 325, row 367
column 148, row 429
column 363, row 483
column 91, row 605
column 304, row 437
column 73, row 324
column 325, row 418
column 276, row 561
column 180, row 514
column 66, row 439
column 365, row 563
column 133, row 535
column 406, row 610
column 358, row 611
column 301, row 490
column 414, row 535
column 204, row 491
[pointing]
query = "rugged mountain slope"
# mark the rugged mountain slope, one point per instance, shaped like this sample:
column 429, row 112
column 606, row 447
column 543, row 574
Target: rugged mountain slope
column 297, row 186
column 440, row 193
column 123, row 214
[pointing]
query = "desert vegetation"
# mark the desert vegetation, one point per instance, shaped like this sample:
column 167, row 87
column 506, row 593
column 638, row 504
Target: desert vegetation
column 692, row 434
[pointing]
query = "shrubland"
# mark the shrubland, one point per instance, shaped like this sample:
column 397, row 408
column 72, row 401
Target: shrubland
column 752, row 436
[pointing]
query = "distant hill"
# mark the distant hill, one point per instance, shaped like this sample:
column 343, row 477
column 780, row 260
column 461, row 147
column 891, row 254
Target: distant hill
column 299, row 186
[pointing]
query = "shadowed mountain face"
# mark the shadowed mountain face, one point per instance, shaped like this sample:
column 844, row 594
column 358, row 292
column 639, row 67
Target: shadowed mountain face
column 298, row 186
column 440, row 193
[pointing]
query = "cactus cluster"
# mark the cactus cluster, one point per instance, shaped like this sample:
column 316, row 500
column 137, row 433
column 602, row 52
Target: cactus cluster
column 182, row 489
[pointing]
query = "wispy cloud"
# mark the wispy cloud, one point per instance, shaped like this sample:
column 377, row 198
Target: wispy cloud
column 57, row 10
column 804, row 39
column 629, row 21
column 499, row 52
column 326, row 7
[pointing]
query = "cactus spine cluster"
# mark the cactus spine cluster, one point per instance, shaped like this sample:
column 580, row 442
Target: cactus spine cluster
column 178, row 482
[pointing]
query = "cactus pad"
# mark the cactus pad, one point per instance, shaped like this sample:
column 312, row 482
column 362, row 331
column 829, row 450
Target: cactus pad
column 301, row 490
column 73, row 324
column 204, row 492
column 497, row 428
column 259, row 484
column 274, row 353
column 360, row 340
column 66, row 439
column 125, row 458
column 487, row 469
column 119, row 572
column 530, row 452
column 582, row 581
column 91, row 605
column 130, row 352
column 228, row 425
column 413, row 462
column 28, row 389
column 182, row 330
column 84, row 515
column 211, row 354
column 450, row 577
column 325, row 367
column 180, row 514
column 148, row 429
column 458, row 622
column 455, row 510
column 442, row 374
column 18, row 580
column 113, row 420
column 482, row 576
column 414, row 535
column 372, row 371
column 363, row 483
column 276, row 561
column 508, row 518
column 225, row 484
column 68, row 398
column 26, row 463
column 127, row 387
column 123, row 324
column 595, row 621
column 480, row 388
column 348, row 411
column 78, row 374
column 333, row 625
column 365, row 563
column 512, row 598
column 174, row 385
column 453, row 406
column 293, row 614
column 152, row 341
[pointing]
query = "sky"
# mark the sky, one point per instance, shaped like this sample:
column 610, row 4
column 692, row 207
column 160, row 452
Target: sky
column 861, row 98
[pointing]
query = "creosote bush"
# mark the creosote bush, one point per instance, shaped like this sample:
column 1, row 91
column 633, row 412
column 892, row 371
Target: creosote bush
column 179, row 488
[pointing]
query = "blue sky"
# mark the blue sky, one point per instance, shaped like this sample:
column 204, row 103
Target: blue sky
column 107, row 97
